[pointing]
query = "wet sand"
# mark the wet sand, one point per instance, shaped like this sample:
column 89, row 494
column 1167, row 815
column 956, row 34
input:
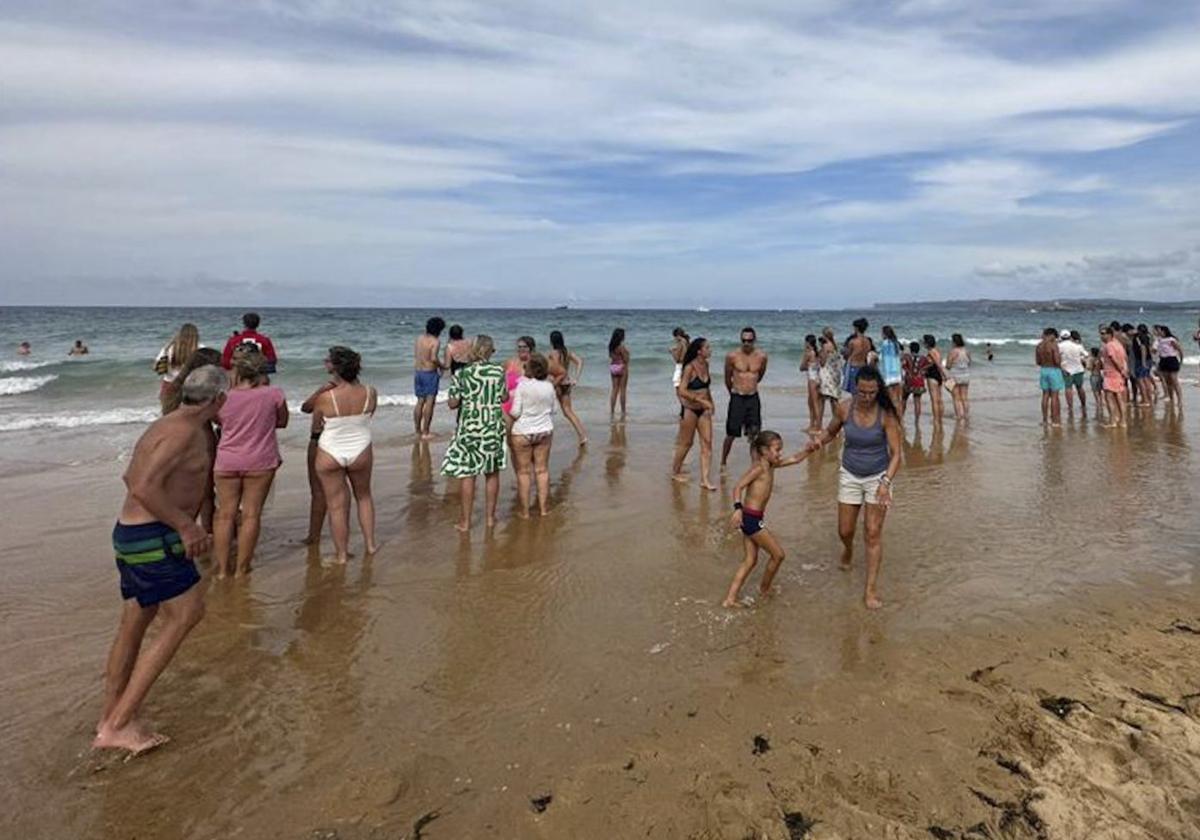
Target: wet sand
column 1034, row 673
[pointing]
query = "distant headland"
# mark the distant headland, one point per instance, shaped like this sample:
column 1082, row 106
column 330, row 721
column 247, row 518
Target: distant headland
column 1058, row 305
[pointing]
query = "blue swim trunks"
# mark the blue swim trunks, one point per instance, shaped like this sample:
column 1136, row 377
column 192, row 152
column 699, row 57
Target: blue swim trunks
column 425, row 383
column 752, row 521
column 1051, row 379
column 851, row 380
column 152, row 563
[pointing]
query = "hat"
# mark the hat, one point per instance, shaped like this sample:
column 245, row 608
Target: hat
column 1065, row 334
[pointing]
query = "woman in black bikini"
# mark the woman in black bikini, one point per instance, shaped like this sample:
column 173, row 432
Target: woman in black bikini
column 696, row 411
column 934, row 376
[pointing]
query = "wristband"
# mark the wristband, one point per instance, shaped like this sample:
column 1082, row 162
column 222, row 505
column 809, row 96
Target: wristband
column 737, row 505
column 885, row 481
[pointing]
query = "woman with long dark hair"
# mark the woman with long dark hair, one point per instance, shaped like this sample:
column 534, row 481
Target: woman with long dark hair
column 935, row 375
column 618, row 369
column 889, row 364
column 565, row 370
column 870, row 461
column 695, row 412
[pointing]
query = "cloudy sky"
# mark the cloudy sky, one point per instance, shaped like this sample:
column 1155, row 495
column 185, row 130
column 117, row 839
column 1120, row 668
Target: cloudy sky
column 803, row 153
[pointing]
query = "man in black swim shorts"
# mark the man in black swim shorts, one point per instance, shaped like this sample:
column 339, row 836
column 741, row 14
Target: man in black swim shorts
column 744, row 369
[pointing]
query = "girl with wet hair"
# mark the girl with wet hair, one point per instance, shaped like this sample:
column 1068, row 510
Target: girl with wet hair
column 566, row 369
column 696, row 411
column 618, row 369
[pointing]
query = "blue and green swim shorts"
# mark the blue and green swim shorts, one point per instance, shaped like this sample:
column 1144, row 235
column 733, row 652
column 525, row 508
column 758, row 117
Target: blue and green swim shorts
column 152, row 562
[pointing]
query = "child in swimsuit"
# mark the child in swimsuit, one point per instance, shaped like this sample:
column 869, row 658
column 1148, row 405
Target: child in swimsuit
column 750, row 498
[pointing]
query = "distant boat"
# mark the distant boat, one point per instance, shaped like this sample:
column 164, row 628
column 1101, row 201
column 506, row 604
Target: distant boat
column 703, row 309
column 1032, row 311
column 561, row 307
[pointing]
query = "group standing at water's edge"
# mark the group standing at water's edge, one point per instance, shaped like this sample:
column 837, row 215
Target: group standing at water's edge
column 497, row 419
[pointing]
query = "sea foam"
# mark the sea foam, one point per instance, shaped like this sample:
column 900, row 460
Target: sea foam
column 23, row 384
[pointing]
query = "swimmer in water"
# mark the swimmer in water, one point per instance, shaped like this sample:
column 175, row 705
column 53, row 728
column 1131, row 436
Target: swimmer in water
column 24, row 348
column 80, row 349
column 750, row 498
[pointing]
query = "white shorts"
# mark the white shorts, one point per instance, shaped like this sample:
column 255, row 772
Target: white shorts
column 853, row 490
column 675, row 380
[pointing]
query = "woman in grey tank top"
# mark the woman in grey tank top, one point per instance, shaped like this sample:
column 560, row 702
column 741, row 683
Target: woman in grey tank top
column 870, row 461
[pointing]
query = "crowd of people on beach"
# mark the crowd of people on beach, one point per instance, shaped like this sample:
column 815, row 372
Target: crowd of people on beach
column 199, row 477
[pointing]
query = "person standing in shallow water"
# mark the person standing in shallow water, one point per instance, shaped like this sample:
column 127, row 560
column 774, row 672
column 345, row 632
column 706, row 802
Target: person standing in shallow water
column 156, row 539
column 427, row 375
column 566, row 369
column 856, row 350
column 679, row 347
column 870, row 462
column 958, row 367
column 618, row 370
column 935, row 375
column 744, row 370
column 695, row 413
column 1115, row 365
column 478, row 444
column 1074, row 357
column 1049, row 361
column 889, row 365
column 810, row 370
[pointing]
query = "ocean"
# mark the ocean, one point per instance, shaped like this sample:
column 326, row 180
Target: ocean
column 48, row 396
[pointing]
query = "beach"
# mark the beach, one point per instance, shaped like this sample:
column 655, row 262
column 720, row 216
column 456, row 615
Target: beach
column 1033, row 673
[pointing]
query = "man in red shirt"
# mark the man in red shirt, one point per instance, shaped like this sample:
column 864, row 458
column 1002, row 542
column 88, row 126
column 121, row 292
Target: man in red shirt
column 250, row 335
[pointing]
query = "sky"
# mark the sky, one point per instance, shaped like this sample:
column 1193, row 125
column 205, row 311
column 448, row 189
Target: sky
column 683, row 153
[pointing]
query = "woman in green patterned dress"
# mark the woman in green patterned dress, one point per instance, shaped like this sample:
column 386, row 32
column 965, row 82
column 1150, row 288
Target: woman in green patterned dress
column 478, row 445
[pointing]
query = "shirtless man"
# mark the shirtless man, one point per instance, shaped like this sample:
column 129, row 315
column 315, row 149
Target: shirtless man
column 156, row 538
column 1049, row 361
column 744, row 369
column 856, row 350
column 79, row 349
column 679, row 346
column 428, row 367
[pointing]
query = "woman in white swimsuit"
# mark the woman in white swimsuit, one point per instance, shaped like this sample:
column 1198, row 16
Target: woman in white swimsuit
column 344, row 452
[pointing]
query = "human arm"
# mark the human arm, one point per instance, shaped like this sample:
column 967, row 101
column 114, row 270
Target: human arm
column 227, row 353
column 572, row 359
column 793, row 459
column 149, row 489
column 895, row 441
column 269, row 352
column 282, row 414
column 310, row 404
column 454, row 396
column 518, row 401
column 831, row 431
column 729, row 372
column 762, row 372
column 739, row 489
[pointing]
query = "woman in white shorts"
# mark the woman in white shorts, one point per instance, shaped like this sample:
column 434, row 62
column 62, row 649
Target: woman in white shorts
column 870, row 461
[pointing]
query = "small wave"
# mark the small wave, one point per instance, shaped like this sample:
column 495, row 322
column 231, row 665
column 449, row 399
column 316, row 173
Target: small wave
column 74, row 420
column 19, row 365
column 1000, row 342
column 23, row 384
column 406, row 400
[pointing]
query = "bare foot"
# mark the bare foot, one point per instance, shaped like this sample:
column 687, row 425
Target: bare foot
column 463, row 527
column 873, row 602
column 845, row 561
column 708, row 486
column 242, row 572
column 370, row 550
column 311, row 539
column 427, row 436
column 132, row 737
column 682, row 478
column 524, row 514
column 733, row 604
column 544, row 511
column 765, row 593
column 491, row 522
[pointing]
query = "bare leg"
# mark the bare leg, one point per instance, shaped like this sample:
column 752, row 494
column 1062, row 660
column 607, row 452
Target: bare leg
column 128, row 641
column 564, row 400
column 624, row 391
column 255, row 487
column 118, row 730
column 523, row 453
column 229, row 499
column 541, row 471
column 491, row 487
column 1055, row 409
column 873, row 534
column 683, row 443
column 316, row 505
column 418, row 414
column 847, row 523
column 726, row 446
column 427, row 417
column 704, row 426
column 765, row 539
column 466, row 500
column 359, row 473
column 749, row 559
column 333, row 481
column 612, row 397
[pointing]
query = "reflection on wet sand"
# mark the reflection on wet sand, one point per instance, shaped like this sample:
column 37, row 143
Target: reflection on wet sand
column 584, row 654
